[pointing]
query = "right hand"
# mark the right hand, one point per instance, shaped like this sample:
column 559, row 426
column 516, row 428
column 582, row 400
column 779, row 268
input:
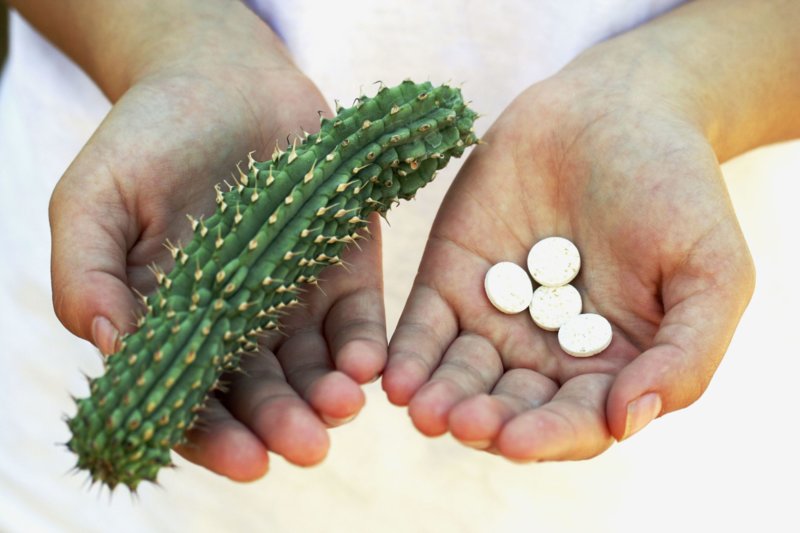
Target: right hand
column 619, row 170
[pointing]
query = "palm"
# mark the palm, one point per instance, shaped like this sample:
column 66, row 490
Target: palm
column 612, row 182
column 155, row 159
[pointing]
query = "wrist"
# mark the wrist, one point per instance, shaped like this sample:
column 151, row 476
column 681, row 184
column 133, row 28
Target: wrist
column 119, row 43
column 728, row 67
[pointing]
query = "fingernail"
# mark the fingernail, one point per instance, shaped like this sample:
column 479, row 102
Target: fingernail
column 477, row 444
column 104, row 335
column 333, row 422
column 641, row 412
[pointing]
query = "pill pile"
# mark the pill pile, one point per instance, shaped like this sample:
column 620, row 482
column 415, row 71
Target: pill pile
column 555, row 305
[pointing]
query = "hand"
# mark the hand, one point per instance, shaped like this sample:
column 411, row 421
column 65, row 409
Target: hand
column 213, row 92
column 629, row 178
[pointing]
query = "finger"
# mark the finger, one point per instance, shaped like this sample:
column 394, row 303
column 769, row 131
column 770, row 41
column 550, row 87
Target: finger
column 688, row 348
column 222, row 444
column 89, row 226
column 355, row 325
column 570, row 426
column 309, row 370
column 356, row 331
column 425, row 330
column 262, row 400
column 477, row 421
column 470, row 366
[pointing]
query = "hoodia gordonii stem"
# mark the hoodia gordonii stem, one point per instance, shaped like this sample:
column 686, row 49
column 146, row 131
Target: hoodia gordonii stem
column 284, row 222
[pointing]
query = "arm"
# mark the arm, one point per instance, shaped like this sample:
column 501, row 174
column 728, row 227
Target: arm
column 733, row 67
column 116, row 43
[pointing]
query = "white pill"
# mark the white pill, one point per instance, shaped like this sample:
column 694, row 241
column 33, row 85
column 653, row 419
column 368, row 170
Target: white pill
column 554, row 261
column 552, row 307
column 508, row 287
column 585, row 335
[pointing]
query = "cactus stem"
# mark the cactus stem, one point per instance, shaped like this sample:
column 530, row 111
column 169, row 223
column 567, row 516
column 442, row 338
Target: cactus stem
column 258, row 262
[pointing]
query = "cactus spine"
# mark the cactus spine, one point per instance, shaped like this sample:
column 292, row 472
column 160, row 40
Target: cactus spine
column 285, row 221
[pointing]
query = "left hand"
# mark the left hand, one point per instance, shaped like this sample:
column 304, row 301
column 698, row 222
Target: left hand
column 629, row 178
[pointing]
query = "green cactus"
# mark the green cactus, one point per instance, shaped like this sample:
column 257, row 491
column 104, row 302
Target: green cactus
column 284, row 222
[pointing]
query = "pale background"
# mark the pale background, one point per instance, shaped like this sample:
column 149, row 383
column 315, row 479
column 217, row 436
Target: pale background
column 730, row 462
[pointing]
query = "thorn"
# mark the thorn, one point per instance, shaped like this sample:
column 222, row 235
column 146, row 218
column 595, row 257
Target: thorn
column 141, row 296
column 250, row 161
column 318, row 286
column 310, row 174
column 270, row 179
column 157, row 272
column 193, row 221
column 322, row 210
column 238, row 217
column 173, row 250
column 293, row 155
column 277, row 153
column 343, row 186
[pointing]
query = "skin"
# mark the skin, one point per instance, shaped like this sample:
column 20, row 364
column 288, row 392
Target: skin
column 619, row 153
column 189, row 103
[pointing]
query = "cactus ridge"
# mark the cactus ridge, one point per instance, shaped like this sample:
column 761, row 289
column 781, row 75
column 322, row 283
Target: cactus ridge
column 274, row 230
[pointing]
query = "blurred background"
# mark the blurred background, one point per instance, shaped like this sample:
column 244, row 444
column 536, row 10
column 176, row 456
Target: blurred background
column 728, row 462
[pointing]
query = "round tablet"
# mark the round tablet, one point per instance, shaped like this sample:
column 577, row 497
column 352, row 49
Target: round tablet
column 552, row 307
column 585, row 335
column 508, row 287
column 554, row 261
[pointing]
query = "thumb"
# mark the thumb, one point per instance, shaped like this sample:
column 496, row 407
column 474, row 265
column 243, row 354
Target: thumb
column 701, row 316
column 90, row 229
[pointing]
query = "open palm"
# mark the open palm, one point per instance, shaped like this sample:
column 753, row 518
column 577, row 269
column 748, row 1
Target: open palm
column 639, row 191
column 156, row 158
